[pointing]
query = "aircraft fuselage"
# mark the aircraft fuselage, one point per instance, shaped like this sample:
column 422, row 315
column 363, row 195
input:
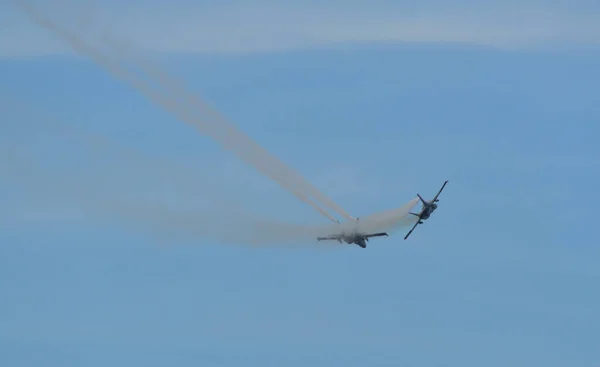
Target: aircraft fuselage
column 353, row 237
column 359, row 240
column 428, row 210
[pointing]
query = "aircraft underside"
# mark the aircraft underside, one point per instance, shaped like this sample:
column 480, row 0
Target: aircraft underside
column 361, row 243
column 427, row 209
column 357, row 238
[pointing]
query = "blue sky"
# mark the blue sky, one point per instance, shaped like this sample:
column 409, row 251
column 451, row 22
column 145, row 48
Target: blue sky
column 503, row 274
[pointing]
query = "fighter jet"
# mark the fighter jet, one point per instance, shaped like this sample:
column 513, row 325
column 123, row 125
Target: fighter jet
column 355, row 236
column 426, row 210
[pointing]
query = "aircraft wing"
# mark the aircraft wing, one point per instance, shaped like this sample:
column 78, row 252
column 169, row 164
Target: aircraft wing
column 412, row 229
column 334, row 237
column 376, row 234
column 439, row 192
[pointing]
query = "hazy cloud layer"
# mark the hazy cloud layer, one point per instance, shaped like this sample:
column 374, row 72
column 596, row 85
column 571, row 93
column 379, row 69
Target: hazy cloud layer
column 187, row 27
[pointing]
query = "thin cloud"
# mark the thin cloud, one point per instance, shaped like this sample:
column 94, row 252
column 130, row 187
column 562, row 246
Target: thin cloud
column 190, row 28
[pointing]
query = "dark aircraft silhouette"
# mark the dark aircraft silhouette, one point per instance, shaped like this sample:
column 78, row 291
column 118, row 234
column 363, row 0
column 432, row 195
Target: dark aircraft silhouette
column 426, row 210
column 356, row 237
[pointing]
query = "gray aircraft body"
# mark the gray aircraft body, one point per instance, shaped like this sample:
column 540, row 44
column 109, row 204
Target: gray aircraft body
column 427, row 209
column 355, row 237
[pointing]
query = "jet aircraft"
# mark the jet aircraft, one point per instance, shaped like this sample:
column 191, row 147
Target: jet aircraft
column 426, row 210
column 356, row 237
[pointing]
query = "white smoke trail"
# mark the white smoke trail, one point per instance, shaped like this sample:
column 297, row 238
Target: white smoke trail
column 233, row 227
column 385, row 221
column 110, row 182
column 390, row 219
column 377, row 222
column 114, row 192
column 225, row 133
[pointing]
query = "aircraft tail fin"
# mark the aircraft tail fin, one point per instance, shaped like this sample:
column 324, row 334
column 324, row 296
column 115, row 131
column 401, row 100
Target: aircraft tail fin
column 422, row 200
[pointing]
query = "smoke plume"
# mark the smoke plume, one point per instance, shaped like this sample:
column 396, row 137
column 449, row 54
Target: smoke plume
column 231, row 222
column 62, row 174
column 191, row 110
